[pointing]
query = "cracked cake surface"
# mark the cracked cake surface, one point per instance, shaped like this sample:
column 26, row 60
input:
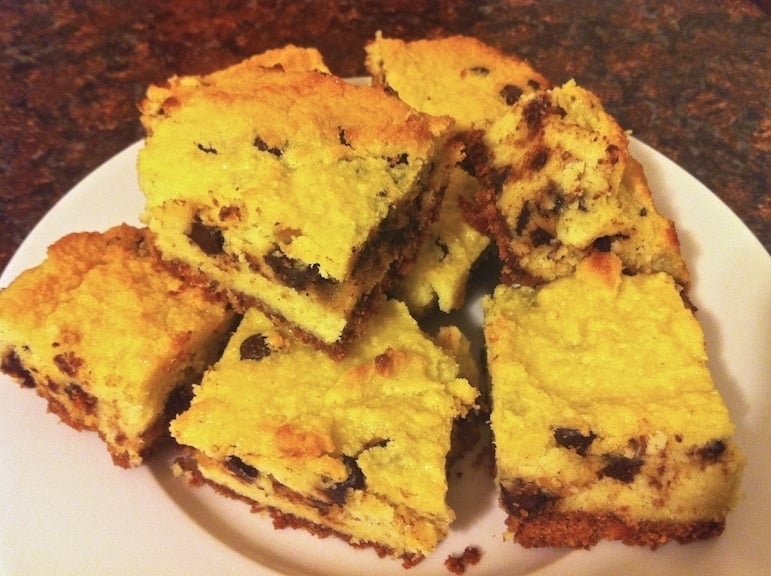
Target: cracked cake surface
column 357, row 446
column 606, row 420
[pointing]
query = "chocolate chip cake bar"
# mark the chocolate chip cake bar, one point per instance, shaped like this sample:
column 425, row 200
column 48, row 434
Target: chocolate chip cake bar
column 355, row 448
column 461, row 77
column 560, row 184
column 109, row 337
column 606, row 421
column 296, row 192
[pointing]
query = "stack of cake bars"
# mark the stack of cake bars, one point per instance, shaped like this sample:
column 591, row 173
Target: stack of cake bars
column 298, row 229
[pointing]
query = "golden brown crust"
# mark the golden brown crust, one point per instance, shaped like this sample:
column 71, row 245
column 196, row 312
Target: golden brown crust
column 584, row 530
column 162, row 100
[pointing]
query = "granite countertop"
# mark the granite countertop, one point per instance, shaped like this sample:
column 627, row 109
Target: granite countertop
column 689, row 78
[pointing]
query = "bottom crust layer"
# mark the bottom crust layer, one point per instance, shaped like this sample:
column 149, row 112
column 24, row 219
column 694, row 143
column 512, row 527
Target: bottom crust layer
column 584, row 530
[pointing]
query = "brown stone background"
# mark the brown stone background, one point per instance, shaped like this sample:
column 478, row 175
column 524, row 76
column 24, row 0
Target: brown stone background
column 690, row 78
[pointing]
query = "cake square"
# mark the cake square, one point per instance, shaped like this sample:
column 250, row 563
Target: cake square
column 109, row 337
column 356, row 448
column 560, row 183
column 464, row 78
column 296, row 192
column 606, row 421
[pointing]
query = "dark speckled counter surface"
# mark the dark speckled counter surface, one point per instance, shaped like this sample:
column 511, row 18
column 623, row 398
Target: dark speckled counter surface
column 690, row 78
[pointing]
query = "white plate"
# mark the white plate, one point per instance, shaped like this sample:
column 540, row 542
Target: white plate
column 65, row 509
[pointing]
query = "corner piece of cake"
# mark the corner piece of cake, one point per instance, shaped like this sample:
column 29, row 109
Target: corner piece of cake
column 464, row 78
column 162, row 100
column 356, row 448
column 109, row 337
column 457, row 76
column 296, row 192
column 606, row 421
column 560, row 183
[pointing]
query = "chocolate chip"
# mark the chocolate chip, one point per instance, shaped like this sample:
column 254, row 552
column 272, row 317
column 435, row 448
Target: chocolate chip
column 292, row 272
column 711, row 451
column 254, row 347
column 541, row 237
column 11, row 365
column 476, row 153
column 68, row 363
column 479, row 70
column 443, row 247
column 552, row 199
column 643, row 212
column 241, row 469
column 539, row 159
column 603, row 243
column 573, row 439
column 525, row 499
column 343, row 139
column 535, row 111
column 498, row 178
column 355, row 481
column 206, row 149
column 262, row 146
column 80, row 397
column 522, row 219
column 402, row 158
column 207, row 238
column 621, row 467
column 539, row 108
column 510, row 94
column 534, row 84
